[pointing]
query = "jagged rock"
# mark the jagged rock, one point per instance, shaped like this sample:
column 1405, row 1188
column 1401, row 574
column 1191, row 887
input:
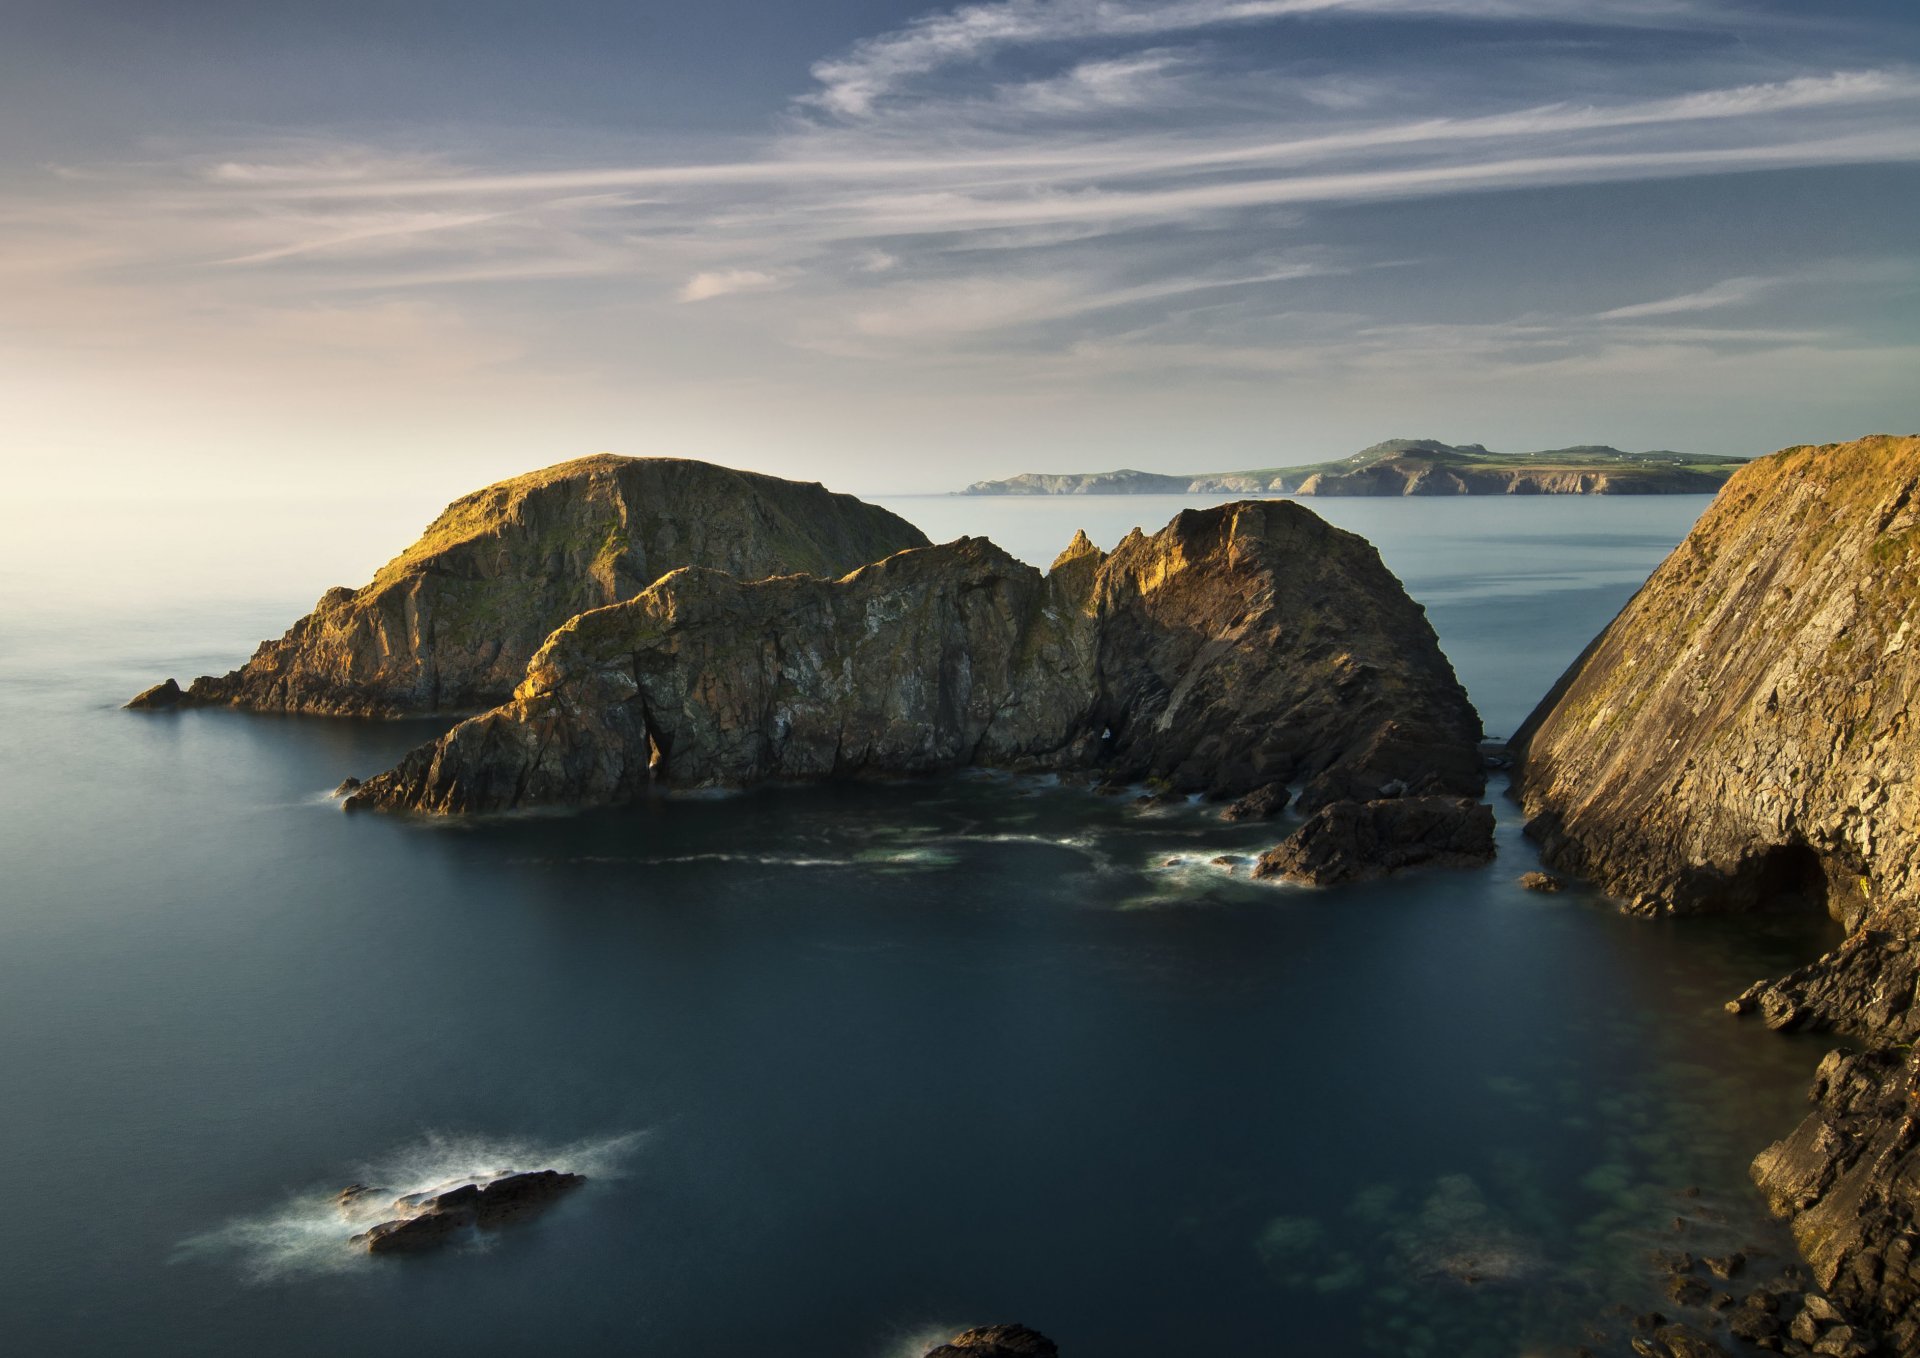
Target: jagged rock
column 1541, row 881
column 1263, row 803
column 1239, row 647
column 1357, row 841
column 449, row 624
column 429, row 1220
column 997, row 1341
column 163, row 695
column 1848, row 1179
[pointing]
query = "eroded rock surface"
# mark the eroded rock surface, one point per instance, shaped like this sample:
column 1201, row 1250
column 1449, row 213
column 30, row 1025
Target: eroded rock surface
column 1742, row 735
column 449, row 624
column 1741, row 732
column 1239, row 647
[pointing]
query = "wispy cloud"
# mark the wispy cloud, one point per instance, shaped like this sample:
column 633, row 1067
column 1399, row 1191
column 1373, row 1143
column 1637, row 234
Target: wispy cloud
column 1043, row 200
column 723, row 282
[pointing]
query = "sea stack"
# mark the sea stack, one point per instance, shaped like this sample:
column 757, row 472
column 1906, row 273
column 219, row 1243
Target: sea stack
column 450, row 623
column 1743, row 736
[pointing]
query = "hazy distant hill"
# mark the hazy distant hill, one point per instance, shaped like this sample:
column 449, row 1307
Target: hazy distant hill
column 1411, row 467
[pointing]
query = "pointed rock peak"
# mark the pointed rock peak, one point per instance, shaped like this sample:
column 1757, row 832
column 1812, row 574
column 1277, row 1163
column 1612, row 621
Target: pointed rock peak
column 1082, row 545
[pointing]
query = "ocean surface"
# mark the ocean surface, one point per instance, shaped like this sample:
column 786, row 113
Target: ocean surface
column 850, row 1067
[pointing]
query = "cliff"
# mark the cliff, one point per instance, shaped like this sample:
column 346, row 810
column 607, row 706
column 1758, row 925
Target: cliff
column 1411, row 467
column 449, row 624
column 1740, row 737
column 1240, row 647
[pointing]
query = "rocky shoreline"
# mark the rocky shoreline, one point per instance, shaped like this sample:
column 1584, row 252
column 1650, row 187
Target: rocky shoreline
column 1738, row 740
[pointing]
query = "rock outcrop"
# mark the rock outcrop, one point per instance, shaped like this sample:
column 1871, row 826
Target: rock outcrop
column 449, row 624
column 1354, row 841
column 1239, row 647
column 1742, row 736
column 426, row 1221
column 997, row 1341
column 1741, row 733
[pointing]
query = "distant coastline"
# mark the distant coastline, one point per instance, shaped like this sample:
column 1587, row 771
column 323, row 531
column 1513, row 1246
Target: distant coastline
column 1410, row 467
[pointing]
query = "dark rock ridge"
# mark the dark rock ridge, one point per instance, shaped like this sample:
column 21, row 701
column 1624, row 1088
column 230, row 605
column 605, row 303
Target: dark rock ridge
column 1355, row 841
column 429, row 1220
column 997, row 1341
column 449, row 624
column 1239, row 647
column 1741, row 736
column 1409, row 467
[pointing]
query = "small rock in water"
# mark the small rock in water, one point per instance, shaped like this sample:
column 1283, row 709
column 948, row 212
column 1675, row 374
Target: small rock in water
column 1541, row 881
column 997, row 1341
column 431, row 1219
column 163, row 695
column 1262, row 803
column 1725, row 1265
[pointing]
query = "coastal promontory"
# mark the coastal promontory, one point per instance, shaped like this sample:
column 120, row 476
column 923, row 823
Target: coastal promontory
column 1410, row 467
column 450, row 623
column 1742, row 737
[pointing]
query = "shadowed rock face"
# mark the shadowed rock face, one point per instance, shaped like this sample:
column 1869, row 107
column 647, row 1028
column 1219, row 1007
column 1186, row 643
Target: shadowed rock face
column 1742, row 735
column 1239, row 647
column 450, row 624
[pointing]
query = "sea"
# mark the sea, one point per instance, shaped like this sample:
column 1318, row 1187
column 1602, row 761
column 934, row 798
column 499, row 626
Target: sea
column 850, row 1068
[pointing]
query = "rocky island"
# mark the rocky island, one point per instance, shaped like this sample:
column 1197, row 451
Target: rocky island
column 450, row 623
column 1411, row 467
column 1237, row 651
column 1742, row 737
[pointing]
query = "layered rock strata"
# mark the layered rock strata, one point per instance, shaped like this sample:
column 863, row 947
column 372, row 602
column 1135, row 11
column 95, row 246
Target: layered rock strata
column 1238, row 648
column 449, row 624
column 1742, row 736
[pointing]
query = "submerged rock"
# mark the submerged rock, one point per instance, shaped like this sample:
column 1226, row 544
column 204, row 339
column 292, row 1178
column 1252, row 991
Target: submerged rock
column 1240, row 647
column 449, row 624
column 1358, row 841
column 997, row 1341
column 430, row 1220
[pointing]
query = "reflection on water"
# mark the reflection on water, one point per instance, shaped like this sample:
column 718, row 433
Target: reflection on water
column 909, row 1057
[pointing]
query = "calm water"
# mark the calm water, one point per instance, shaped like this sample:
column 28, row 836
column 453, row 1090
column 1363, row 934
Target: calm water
column 850, row 1066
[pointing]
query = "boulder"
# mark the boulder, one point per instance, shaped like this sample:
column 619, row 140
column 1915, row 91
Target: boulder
column 1541, row 881
column 1263, row 803
column 997, row 1341
column 1358, row 841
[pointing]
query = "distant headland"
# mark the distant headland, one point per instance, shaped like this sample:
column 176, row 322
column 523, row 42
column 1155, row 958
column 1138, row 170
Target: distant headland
column 1412, row 467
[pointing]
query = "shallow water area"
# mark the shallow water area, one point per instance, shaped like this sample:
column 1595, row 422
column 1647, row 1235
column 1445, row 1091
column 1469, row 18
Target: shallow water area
column 847, row 1066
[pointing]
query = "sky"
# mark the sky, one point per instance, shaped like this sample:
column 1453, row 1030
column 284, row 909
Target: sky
column 333, row 248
